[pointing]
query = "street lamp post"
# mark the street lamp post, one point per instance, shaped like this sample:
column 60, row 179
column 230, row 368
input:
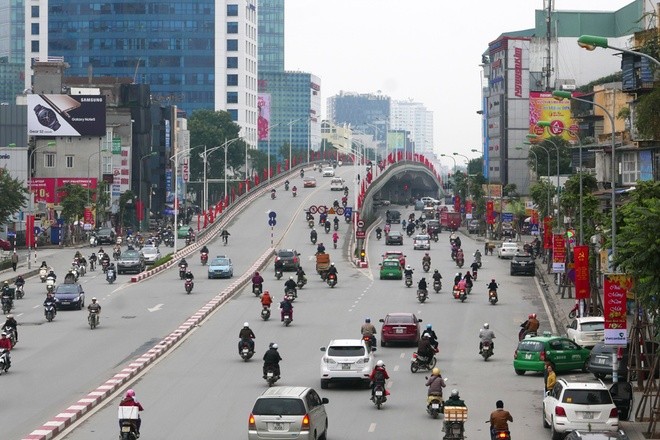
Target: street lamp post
column 270, row 127
column 547, row 167
column 204, row 156
column 445, row 155
column 567, row 95
column 467, row 159
column 591, row 42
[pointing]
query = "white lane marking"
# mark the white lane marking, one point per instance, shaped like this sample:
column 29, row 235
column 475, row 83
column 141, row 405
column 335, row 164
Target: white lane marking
column 19, row 315
column 156, row 308
column 553, row 326
column 403, row 355
column 36, row 307
column 372, row 427
column 396, row 368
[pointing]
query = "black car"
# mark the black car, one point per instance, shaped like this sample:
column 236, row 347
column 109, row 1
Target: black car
column 394, row 237
column 131, row 261
column 523, row 264
column 433, row 227
column 289, row 258
column 600, row 360
column 69, row 295
column 393, row 217
column 105, row 236
column 473, row 226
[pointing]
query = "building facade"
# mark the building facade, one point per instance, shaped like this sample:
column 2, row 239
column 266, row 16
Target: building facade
column 271, row 35
column 417, row 120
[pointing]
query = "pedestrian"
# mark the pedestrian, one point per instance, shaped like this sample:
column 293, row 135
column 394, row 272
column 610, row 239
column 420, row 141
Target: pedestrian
column 545, row 374
column 14, row 260
column 551, row 379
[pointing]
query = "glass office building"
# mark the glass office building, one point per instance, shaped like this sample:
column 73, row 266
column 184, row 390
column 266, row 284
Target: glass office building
column 271, row 35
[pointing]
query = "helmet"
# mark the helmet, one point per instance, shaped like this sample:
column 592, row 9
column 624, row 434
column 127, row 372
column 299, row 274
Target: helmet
column 436, row 372
column 486, row 325
column 530, row 316
column 493, row 280
column 130, row 393
column 426, row 254
column 380, row 363
column 367, row 320
column 94, row 299
column 534, row 315
column 6, row 283
column 10, row 316
column 4, row 334
column 458, row 274
column 290, row 278
column 332, row 264
column 246, row 324
column 266, row 292
column 435, row 271
column 454, row 393
column 429, row 326
column 274, row 346
column 408, row 267
column 256, row 274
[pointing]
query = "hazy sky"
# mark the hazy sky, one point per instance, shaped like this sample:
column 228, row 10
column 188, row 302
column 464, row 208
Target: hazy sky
column 427, row 50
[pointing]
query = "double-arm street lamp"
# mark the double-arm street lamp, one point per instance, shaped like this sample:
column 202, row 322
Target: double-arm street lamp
column 204, row 157
column 591, row 42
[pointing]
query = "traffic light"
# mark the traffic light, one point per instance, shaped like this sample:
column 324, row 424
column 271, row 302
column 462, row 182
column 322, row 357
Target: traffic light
column 363, row 254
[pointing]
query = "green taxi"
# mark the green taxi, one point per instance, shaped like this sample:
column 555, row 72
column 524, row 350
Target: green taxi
column 390, row 269
column 565, row 355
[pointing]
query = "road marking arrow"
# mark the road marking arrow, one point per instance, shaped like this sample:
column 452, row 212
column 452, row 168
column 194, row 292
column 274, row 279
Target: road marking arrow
column 156, row 308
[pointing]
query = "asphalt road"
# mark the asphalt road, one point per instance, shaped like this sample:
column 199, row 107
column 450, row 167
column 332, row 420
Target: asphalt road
column 56, row 363
column 204, row 390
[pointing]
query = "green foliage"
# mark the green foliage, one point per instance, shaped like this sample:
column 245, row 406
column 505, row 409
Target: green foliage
column 647, row 115
column 161, row 261
column 638, row 244
column 588, row 88
column 511, row 191
column 259, row 160
column 14, row 196
column 101, row 200
column 539, row 194
column 570, row 203
column 564, row 157
column 74, row 199
column 475, row 166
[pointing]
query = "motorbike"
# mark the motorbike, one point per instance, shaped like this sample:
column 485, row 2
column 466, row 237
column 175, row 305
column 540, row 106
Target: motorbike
column 327, row 228
column 435, row 237
column 50, row 285
column 437, row 285
column 278, row 273
column 128, row 416
column 460, row 294
column 75, row 273
column 422, row 295
column 286, row 186
column 265, row 313
column 272, row 195
column 287, row 319
column 169, row 241
column 478, row 260
column 292, row 294
column 421, row 363
column 331, row 280
column 474, row 275
column 492, row 296
column 454, row 430
column 426, row 266
column 378, row 235
column 460, row 262
column 204, row 257
column 82, row 270
column 336, row 226
column 92, row 240
column 115, row 255
column 380, row 395
column 501, row 434
column 246, row 353
column 294, row 192
column 301, row 282
column 183, row 268
column 92, row 265
column 435, row 407
column 257, row 289
column 408, row 280
column 93, row 319
column 49, row 312
column 11, row 335
column 4, row 361
column 334, row 243
column 370, row 341
column 302, row 173
column 486, row 349
column 188, row 241
column 453, row 254
column 7, row 305
column 110, row 276
column 105, row 264
column 410, row 231
column 19, row 291
column 271, row 377
column 188, row 285
column 310, row 223
column 313, row 239
column 43, row 272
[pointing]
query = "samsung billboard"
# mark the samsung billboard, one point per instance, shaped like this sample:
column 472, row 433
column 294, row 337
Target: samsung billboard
column 66, row 115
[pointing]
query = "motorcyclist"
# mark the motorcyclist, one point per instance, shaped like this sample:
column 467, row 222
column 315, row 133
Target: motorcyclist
column 273, row 193
column 426, row 259
column 335, row 237
column 477, row 256
column 320, row 249
column 279, row 266
column 225, row 235
column 435, row 383
column 368, row 329
column 335, row 222
column 272, row 360
column 468, row 279
column 92, row 260
column 322, row 217
column 105, row 259
column 50, row 301
column 95, row 307
column 20, row 281
column 432, row 336
column 313, row 235
column 129, row 400
column 188, row 276
column 474, row 266
column 204, row 250
column 327, row 225
column 7, row 297
column 301, row 274
column 532, row 324
column 257, row 281
column 294, row 189
column 425, row 348
column 436, row 275
column 44, row 265
column 266, row 299
column 379, row 231
column 457, row 279
column 6, row 290
column 378, row 377
column 387, row 228
column 492, row 285
column 332, row 270
column 335, row 204
column 290, row 284
column 11, row 323
column 422, row 284
column 286, row 308
column 69, row 278
column 454, row 399
column 286, row 184
column 183, row 262
column 408, row 271
column 5, row 343
column 499, row 419
column 486, row 335
column 112, row 272
column 460, row 255
column 246, row 335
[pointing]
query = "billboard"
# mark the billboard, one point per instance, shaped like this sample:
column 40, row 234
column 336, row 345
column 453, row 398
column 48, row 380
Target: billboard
column 66, row 115
column 396, row 140
column 263, row 123
column 45, row 188
column 543, row 107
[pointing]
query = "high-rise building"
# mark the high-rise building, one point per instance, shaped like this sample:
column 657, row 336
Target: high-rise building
column 417, row 120
column 271, row 35
column 196, row 54
column 12, row 48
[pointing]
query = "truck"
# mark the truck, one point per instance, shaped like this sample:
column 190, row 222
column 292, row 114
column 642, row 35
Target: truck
column 450, row 221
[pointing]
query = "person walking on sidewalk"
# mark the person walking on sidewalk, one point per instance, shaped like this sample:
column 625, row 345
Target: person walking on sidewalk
column 14, row 260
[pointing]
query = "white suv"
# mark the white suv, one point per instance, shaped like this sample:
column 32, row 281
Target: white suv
column 573, row 405
column 346, row 360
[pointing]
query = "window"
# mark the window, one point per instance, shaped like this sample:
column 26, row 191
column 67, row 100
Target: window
column 232, row 62
column 34, row 46
column 35, row 28
column 49, row 160
column 629, row 173
column 35, row 11
column 232, row 80
column 69, row 161
column 232, row 27
column 232, row 45
column 232, row 97
column 234, row 114
column 232, row 10
column 106, row 164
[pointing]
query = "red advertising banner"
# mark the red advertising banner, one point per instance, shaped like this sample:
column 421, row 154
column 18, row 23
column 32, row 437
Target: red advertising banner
column 558, row 253
column 615, row 291
column 89, row 216
column 45, row 188
column 581, row 260
column 457, row 203
column 29, row 230
column 490, row 218
column 547, row 233
column 468, row 207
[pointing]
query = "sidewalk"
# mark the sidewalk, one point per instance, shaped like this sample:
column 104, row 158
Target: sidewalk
column 48, row 254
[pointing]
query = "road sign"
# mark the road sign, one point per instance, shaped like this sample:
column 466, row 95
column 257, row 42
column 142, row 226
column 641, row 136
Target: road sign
column 340, row 211
column 272, row 222
column 507, row 217
column 322, row 209
column 348, row 211
column 360, row 224
column 360, row 234
column 272, row 214
column 331, row 211
column 313, row 209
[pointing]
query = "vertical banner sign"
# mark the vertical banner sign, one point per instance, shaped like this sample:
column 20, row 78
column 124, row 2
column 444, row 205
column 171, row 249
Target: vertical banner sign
column 547, row 233
column 457, row 204
column 581, row 259
column 490, row 218
column 29, row 230
column 615, row 291
column 558, row 253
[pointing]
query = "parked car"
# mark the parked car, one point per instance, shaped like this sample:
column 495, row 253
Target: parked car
column 346, row 360
column 600, row 360
column 565, row 355
column 151, row 254
column 574, row 405
column 390, row 269
column 309, row 182
column 131, row 261
column 105, row 236
column 587, row 331
column 507, row 250
column 394, row 237
column 395, row 254
column 220, row 267
column 422, row 242
column 69, row 296
column 399, row 327
column 288, row 412
column 289, row 258
column 473, row 226
column 522, row 264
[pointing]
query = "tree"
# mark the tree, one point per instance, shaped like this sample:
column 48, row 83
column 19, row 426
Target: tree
column 570, row 202
column 564, row 157
column 638, row 243
column 511, row 191
column 647, row 115
column 259, row 159
column 475, row 166
column 73, row 200
column 101, row 201
column 539, row 194
column 14, row 196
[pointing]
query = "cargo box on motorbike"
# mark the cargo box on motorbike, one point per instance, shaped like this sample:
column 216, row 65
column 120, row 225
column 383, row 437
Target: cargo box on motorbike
column 128, row 412
column 322, row 262
column 456, row 413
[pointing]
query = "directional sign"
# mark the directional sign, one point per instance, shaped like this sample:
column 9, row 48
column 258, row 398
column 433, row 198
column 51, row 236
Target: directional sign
column 313, row 209
column 272, row 222
column 348, row 211
column 360, row 224
column 272, row 214
column 507, row 217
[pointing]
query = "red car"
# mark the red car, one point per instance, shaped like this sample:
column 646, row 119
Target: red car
column 399, row 327
column 396, row 254
column 5, row 245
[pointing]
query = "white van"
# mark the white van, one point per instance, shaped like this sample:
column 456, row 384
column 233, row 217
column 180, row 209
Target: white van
column 337, row 184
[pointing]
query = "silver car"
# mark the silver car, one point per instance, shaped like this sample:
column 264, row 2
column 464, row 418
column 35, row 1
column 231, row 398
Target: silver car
column 288, row 412
column 151, row 254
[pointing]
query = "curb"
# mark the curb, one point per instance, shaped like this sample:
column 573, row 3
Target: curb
column 63, row 420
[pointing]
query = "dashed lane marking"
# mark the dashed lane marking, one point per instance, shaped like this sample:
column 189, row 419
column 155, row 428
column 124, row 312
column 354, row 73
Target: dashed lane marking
column 396, row 368
column 372, row 427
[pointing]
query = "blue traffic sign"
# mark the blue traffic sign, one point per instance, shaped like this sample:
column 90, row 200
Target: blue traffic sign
column 272, row 222
column 348, row 211
column 272, row 214
column 507, row 216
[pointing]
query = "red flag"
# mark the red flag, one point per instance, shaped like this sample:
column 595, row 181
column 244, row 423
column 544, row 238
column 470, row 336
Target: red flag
column 490, row 217
column 547, row 233
column 279, row 168
column 199, row 220
column 581, row 259
column 29, row 231
column 240, row 188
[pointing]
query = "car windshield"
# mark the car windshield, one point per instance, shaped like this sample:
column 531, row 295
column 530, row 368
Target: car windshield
column 522, row 258
column 278, row 407
column 285, row 254
column 395, row 234
column 149, row 251
column 346, row 351
column 530, row 346
column 104, row 231
column 67, row 288
column 509, row 246
column 592, row 326
column 390, row 264
column 130, row 255
column 220, row 262
column 587, row 397
column 399, row 320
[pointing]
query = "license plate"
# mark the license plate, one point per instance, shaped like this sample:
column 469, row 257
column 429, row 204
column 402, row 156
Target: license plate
column 345, row 366
column 269, row 374
column 64, row 303
column 125, row 429
column 379, row 393
column 277, row 426
column 588, row 415
column 286, row 317
column 246, row 351
column 435, row 405
column 398, row 330
column 601, row 361
column 528, row 356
